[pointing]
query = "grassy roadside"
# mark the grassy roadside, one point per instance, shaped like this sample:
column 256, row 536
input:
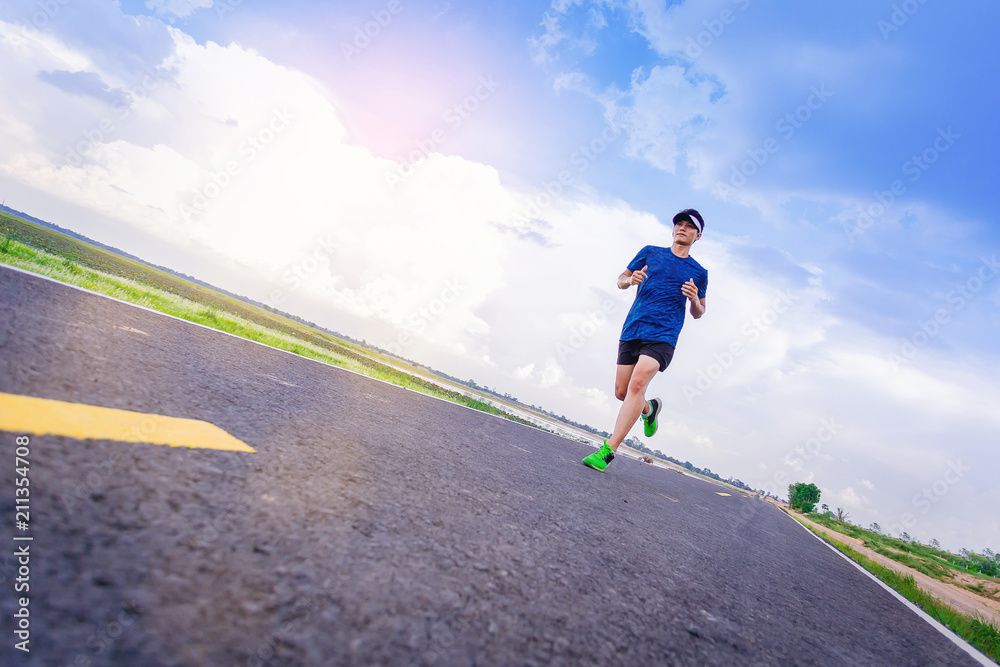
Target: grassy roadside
column 29, row 247
column 934, row 562
column 979, row 632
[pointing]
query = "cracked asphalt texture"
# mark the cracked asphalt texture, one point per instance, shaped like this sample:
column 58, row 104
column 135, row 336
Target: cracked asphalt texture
column 375, row 525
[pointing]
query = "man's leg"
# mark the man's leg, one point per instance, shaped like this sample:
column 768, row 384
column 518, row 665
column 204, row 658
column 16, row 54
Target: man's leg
column 635, row 397
column 630, row 387
column 622, row 377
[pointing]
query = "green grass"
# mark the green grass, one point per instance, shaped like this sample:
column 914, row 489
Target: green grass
column 933, row 562
column 74, row 253
column 976, row 630
column 48, row 253
column 934, row 571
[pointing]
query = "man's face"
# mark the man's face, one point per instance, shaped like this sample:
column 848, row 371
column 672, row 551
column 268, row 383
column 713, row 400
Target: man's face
column 685, row 232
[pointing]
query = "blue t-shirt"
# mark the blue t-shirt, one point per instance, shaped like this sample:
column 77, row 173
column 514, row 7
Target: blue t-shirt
column 657, row 313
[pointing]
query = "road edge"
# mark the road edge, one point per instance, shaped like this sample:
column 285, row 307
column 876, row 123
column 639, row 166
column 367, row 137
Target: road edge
column 973, row 652
column 269, row 347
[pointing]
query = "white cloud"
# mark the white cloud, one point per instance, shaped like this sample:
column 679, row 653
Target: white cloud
column 673, row 30
column 552, row 374
column 662, row 113
column 440, row 260
column 544, row 47
column 524, row 372
column 667, row 110
column 250, row 160
column 597, row 398
column 851, row 498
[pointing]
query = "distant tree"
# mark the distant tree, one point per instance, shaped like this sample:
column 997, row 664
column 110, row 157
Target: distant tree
column 875, row 528
column 905, row 536
column 842, row 515
column 803, row 497
column 935, row 544
column 826, row 508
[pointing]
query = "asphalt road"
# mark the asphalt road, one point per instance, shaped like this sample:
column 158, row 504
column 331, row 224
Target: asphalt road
column 374, row 525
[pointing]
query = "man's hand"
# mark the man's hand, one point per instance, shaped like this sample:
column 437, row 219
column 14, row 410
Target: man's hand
column 628, row 278
column 637, row 277
column 690, row 290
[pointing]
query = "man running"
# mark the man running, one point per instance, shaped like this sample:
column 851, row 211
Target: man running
column 667, row 278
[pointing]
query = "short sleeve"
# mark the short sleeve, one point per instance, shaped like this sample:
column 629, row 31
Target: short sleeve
column 702, row 285
column 639, row 261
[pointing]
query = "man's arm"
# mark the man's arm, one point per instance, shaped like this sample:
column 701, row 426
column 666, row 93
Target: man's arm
column 697, row 308
column 697, row 305
column 629, row 278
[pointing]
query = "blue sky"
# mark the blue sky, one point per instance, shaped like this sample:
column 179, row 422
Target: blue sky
column 396, row 187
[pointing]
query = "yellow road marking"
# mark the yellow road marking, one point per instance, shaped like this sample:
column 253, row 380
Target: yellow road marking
column 73, row 420
column 721, row 493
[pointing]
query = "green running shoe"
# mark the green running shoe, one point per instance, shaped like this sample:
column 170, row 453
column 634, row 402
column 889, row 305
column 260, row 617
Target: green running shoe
column 649, row 421
column 600, row 459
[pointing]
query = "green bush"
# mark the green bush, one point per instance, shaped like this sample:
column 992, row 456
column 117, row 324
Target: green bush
column 803, row 497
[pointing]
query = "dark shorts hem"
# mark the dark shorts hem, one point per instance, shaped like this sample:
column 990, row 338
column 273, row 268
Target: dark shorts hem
column 630, row 350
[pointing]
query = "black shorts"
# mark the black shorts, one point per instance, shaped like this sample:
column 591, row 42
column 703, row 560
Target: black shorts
column 629, row 351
